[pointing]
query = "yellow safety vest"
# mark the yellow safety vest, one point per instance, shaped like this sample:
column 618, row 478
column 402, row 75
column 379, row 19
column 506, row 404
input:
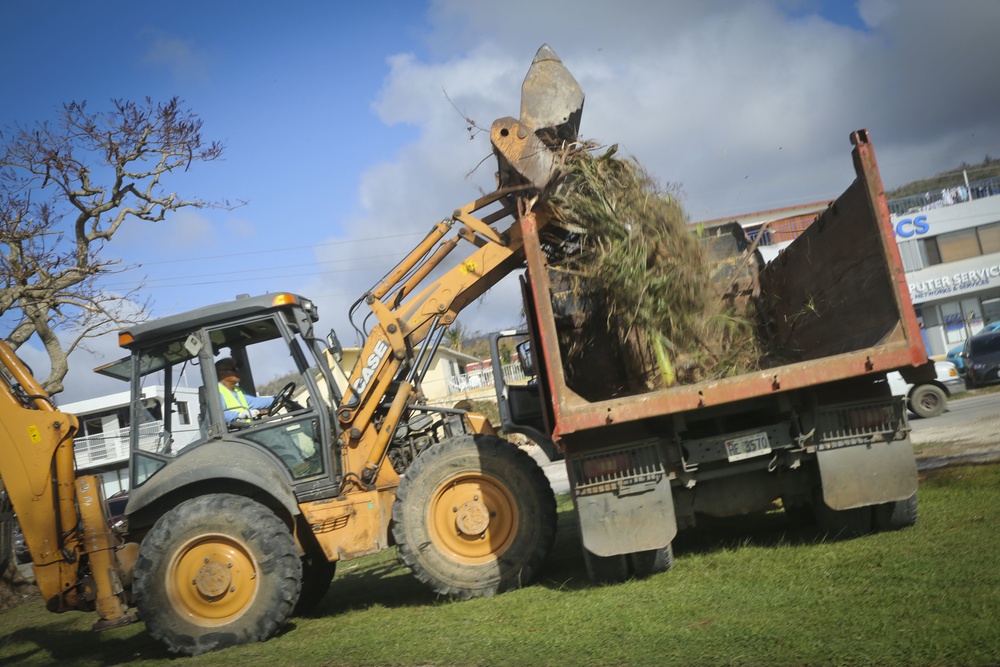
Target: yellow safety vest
column 233, row 400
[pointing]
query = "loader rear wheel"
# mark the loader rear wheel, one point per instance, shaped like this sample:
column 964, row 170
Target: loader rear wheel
column 215, row 571
column 474, row 516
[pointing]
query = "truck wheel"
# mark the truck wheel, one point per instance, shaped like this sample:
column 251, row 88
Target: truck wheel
column 606, row 569
column 843, row 524
column 474, row 516
column 215, row 571
column 928, row 401
column 317, row 575
column 616, row 569
column 645, row 563
column 897, row 515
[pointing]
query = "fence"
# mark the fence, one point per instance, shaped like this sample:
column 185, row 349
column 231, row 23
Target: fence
column 109, row 447
column 483, row 379
column 962, row 192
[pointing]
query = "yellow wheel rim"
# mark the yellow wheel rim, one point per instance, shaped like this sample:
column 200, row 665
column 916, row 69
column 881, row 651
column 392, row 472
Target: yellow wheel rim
column 473, row 518
column 212, row 580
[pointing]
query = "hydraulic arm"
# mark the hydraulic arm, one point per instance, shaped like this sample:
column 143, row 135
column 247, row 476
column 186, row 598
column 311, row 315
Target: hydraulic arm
column 384, row 382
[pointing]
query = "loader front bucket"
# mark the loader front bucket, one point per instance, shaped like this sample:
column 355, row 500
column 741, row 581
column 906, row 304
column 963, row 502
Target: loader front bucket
column 551, row 99
column 551, row 108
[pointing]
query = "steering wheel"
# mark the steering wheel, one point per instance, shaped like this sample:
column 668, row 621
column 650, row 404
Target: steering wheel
column 282, row 399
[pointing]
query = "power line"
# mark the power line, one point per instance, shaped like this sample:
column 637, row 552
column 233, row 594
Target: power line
column 275, row 250
column 244, row 272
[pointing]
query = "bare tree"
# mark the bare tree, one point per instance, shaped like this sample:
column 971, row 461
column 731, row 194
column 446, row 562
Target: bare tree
column 65, row 189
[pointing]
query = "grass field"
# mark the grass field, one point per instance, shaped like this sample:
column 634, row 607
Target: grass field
column 754, row 591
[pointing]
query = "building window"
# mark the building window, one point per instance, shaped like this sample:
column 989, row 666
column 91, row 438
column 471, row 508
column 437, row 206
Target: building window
column 958, row 245
column 929, row 252
column 183, row 417
column 953, row 246
column 989, row 238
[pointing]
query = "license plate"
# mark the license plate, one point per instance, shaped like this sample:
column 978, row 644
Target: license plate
column 747, row 446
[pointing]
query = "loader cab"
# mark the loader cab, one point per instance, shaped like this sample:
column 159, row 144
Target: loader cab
column 270, row 341
column 519, row 398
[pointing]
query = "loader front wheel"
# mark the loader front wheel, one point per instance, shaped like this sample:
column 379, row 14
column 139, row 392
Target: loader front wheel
column 474, row 516
column 215, row 571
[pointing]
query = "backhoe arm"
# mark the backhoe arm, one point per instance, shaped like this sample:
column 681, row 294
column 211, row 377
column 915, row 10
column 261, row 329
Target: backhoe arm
column 62, row 517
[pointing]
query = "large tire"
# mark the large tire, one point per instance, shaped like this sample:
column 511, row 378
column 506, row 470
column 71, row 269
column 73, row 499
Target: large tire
column 897, row 515
column 928, row 401
column 215, row 571
column 606, row 569
column 317, row 575
column 843, row 524
column 616, row 569
column 474, row 516
column 645, row 563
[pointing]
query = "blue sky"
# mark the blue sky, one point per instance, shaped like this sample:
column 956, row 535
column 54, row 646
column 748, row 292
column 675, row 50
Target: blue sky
column 342, row 132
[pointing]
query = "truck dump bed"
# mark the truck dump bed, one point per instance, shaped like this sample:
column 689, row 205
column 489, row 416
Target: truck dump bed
column 836, row 297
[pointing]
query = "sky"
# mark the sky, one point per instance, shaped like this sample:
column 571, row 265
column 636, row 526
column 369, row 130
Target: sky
column 346, row 134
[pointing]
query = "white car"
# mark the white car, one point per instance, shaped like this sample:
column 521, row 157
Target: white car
column 931, row 398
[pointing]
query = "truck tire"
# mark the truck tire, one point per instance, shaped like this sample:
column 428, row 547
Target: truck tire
column 215, row 571
column 928, row 401
column 616, row 569
column 897, row 515
column 317, row 575
column 606, row 569
column 474, row 516
column 843, row 524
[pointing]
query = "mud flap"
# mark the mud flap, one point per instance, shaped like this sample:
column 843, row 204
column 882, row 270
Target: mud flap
column 637, row 517
column 867, row 474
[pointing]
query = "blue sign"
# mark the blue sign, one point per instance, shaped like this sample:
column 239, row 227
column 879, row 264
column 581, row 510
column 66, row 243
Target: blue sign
column 908, row 227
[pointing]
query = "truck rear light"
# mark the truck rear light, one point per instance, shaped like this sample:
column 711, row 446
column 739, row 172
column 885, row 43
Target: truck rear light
column 847, row 424
column 612, row 465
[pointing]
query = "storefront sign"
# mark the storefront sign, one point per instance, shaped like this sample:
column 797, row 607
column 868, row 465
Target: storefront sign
column 916, row 226
column 955, row 283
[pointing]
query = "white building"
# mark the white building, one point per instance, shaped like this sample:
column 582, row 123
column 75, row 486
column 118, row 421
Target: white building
column 951, row 253
column 102, row 443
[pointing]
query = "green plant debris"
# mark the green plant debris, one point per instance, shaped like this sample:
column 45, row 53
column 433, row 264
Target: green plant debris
column 631, row 273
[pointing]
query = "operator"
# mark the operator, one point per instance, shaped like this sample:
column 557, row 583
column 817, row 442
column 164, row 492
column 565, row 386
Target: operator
column 238, row 408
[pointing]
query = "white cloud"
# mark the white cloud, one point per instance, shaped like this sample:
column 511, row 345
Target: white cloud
column 184, row 62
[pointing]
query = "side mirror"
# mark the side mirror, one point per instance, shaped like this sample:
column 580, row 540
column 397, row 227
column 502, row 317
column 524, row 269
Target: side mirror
column 333, row 344
column 525, row 358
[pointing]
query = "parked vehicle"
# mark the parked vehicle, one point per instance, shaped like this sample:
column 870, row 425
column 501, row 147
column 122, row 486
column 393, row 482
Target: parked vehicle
column 930, row 398
column 955, row 357
column 955, row 354
column 982, row 358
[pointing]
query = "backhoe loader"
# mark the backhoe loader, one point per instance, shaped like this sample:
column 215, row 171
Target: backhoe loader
column 223, row 538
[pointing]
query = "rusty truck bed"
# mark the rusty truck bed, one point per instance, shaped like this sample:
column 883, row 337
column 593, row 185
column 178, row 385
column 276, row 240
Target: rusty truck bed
column 837, row 296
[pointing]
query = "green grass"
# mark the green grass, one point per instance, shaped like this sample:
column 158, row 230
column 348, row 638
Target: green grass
column 754, row 591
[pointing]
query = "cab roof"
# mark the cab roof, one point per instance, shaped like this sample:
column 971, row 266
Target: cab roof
column 206, row 316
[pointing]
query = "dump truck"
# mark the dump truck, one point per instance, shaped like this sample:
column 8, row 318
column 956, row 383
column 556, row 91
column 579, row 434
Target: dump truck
column 819, row 433
column 225, row 537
